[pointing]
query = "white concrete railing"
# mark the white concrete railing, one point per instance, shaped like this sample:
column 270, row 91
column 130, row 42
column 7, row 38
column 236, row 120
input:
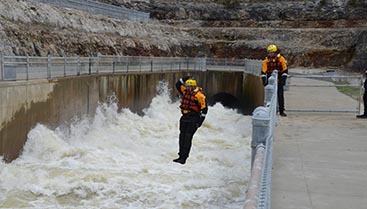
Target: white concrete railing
column 263, row 124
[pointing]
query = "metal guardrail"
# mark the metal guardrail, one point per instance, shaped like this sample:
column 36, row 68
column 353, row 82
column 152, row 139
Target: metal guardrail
column 339, row 81
column 263, row 123
column 14, row 68
column 100, row 8
column 251, row 66
column 258, row 194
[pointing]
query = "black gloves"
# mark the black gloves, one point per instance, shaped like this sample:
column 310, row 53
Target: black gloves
column 201, row 120
column 265, row 80
column 283, row 80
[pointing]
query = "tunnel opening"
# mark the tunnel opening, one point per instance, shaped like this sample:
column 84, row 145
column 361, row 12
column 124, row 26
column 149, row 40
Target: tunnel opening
column 229, row 101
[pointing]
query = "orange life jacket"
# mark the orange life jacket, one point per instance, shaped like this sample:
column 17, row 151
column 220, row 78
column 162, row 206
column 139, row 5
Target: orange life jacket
column 189, row 101
column 273, row 64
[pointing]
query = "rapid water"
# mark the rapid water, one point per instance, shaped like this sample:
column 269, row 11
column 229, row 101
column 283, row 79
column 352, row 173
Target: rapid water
column 123, row 160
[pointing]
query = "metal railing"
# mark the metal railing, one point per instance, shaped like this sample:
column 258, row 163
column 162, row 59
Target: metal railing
column 333, row 81
column 13, row 68
column 100, row 8
column 252, row 66
column 263, row 124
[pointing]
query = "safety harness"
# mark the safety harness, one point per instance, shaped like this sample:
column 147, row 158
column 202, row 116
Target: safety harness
column 189, row 101
column 273, row 64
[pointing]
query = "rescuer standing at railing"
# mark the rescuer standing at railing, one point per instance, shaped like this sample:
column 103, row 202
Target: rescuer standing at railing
column 194, row 108
column 364, row 115
column 275, row 61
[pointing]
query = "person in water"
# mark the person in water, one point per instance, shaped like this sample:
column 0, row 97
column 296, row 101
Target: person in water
column 194, row 109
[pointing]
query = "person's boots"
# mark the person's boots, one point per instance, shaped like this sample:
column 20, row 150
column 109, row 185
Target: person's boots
column 283, row 114
column 362, row 116
column 180, row 160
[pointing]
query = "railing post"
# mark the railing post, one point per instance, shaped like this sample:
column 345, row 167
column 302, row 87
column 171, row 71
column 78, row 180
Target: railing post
column 48, row 66
column 269, row 90
column 273, row 80
column 260, row 129
column 139, row 63
column 78, row 66
column 151, row 65
column 98, row 62
column 113, row 65
column 204, row 63
column 161, row 64
column 90, row 66
column 1, row 66
column 27, row 68
column 127, row 64
column 64, row 66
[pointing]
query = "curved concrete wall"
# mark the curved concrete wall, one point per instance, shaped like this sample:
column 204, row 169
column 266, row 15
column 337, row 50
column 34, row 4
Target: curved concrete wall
column 224, row 86
column 56, row 102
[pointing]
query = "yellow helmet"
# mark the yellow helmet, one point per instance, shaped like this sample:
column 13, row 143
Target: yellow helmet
column 190, row 82
column 272, row 48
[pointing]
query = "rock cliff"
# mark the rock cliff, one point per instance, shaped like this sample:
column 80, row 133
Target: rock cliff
column 322, row 33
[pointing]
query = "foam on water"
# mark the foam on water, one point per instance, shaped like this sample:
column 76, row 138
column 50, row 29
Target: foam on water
column 123, row 160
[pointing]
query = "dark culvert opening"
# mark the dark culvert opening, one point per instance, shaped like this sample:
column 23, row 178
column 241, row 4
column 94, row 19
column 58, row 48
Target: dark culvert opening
column 227, row 100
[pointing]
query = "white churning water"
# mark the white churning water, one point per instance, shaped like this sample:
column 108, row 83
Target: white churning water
column 123, row 160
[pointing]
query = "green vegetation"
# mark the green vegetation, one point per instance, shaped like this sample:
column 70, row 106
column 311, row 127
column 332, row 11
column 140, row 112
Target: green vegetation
column 353, row 92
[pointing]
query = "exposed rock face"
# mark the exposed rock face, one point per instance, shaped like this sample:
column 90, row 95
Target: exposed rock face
column 38, row 29
column 324, row 33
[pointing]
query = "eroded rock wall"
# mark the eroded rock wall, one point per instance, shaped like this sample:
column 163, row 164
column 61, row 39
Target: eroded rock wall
column 327, row 33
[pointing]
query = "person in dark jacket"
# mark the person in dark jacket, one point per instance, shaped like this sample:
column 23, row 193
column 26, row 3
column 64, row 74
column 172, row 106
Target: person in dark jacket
column 275, row 61
column 364, row 115
column 194, row 109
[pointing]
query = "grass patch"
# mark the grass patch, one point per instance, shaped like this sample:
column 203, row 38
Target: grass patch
column 353, row 92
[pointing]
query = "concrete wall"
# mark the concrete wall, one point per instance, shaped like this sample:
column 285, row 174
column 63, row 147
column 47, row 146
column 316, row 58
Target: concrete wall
column 55, row 102
column 234, row 89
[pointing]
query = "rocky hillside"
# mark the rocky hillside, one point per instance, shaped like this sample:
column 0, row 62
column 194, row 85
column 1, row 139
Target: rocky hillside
column 323, row 33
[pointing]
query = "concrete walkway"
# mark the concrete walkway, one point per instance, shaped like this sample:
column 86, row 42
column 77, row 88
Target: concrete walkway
column 319, row 159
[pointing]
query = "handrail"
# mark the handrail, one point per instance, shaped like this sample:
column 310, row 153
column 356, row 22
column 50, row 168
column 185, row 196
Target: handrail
column 324, row 76
column 263, row 122
column 13, row 68
column 252, row 194
column 333, row 80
